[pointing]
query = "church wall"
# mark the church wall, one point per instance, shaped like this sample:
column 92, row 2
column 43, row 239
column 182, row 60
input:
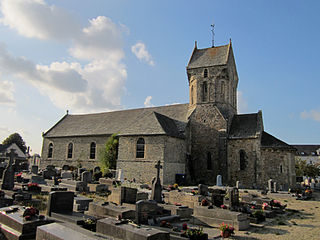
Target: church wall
column 208, row 129
column 81, row 151
column 273, row 160
column 249, row 176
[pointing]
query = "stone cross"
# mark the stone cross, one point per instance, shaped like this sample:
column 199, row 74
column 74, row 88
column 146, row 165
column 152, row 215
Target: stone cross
column 156, row 193
column 8, row 176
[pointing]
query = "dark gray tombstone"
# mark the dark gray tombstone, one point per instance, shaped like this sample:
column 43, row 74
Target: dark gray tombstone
column 147, row 209
column 233, row 198
column 8, row 176
column 80, row 171
column 66, row 174
column 24, row 166
column 34, row 169
column 60, row 202
column 86, row 177
column 156, row 193
column 203, row 190
column 96, row 169
column 65, row 167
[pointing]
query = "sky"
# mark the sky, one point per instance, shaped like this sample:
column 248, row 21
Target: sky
column 90, row 56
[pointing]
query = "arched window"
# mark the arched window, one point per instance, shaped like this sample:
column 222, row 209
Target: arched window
column 281, row 170
column 204, row 91
column 205, row 73
column 93, row 150
column 223, row 91
column 242, row 154
column 50, row 150
column 70, row 150
column 140, row 148
column 209, row 163
column 192, row 95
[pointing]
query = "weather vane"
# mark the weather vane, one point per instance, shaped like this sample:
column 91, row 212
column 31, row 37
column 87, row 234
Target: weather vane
column 212, row 31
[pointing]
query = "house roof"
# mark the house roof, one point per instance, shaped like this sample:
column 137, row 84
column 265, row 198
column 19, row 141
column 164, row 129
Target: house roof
column 245, row 126
column 307, row 150
column 269, row 141
column 156, row 120
column 209, row 56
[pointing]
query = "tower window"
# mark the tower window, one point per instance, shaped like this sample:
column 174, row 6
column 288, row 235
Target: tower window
column 281, row 170
column 93, row 150
column 242, row 155
column 204, row 91
column 70, row 150
column 222, row 91
column 205, row 73
column 209, row 163
column 140, row 148
column 192, row 95
column 50, row 150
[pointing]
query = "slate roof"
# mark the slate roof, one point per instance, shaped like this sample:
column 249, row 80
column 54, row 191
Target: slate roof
column 209, row 57
column 307, row 150
column 170, row 120
column 245, row 126
column 269, row 141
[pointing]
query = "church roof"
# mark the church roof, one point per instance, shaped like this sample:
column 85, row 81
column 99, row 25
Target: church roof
column 307, row 150
column 269, row 141
column 170, row 120
column 245, row 126
column 209, row 56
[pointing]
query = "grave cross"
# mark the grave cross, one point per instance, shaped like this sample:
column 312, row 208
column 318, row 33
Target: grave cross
column 11, row 156
column 158, row 167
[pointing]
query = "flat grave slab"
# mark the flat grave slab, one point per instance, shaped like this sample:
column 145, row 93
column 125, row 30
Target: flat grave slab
column 101, row 210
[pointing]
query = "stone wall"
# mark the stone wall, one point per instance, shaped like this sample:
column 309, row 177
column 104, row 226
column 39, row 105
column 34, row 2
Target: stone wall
column 170, row 151
column 279, row 165
column 81, row 151
column 249, row 177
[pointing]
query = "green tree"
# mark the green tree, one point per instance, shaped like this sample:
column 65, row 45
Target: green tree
column 108, row 156
column 306, row 169
column 17, row 139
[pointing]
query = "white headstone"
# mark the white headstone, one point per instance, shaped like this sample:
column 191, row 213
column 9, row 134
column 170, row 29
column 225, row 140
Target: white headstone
column 312, row 185
column 120, row 175
column 219, row 180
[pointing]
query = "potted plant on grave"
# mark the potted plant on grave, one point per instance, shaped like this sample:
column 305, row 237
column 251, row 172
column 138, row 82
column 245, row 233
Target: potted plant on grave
column 257, row 216
column 195, row 234
column 90, row 224
column 226, row 230
column 30, row 213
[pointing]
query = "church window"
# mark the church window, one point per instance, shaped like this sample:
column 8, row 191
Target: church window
column 50, row 150
column 242, row 154
column 281, row 170
column 70, row 150
column 93, row 150
column 209, row 163
column 204, row 91
column 205, row 73
column 222, row 91
column 192, row 95
column 140, row 148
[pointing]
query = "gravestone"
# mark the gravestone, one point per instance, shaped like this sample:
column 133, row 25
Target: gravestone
column 60, row 202
column 96, row 169
column 24, row 166
column 233, row 198
column 218, row 197
column 49, row 173
column 80, row 171
column 34, row 169
column 38, row 179
column 120, row 175
column 81, row 204
column 275, row 189
column 312, row 185
column 86, row 177
column 66, row 174
column 8, row 176
column 101, row 210
column 238, row 184
column 203, row 190
column 270, row 189
column 156, row 193
column 121, row 195
column 65, row 167
column 219, row 180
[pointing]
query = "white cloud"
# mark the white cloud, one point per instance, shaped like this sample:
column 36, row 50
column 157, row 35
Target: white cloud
column 6, row 93
column 95, row 86
column 312, row 114
column 141, row 52
column 242, row 103
column 147, row 102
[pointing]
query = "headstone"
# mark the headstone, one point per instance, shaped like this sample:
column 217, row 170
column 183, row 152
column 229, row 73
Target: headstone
column 24, row 166
column 312, row 185
column 65, row 167
column 120, row 175
column 219, row 180
column 80, row 171
column 270, row 189
column 238, row 184
column 81, row 203
column 101, row 210
column 86, row 177
column 34, row 169
column 60, row 202
column 218, row 197
column 275, row 189
column 203, row 190
column 66, row 174
column 121, row 195
column 49, row 173
column 8, row 176
column 37, row 179
column 96, row 169
column 233, row 200
column 156, row 193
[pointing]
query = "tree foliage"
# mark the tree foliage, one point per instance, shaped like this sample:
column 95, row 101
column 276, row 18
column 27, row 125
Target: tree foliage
column 108, row 156
column 307, row 169
column 17, row 139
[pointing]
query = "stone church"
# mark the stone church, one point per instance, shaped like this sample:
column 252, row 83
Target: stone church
column 201, row 139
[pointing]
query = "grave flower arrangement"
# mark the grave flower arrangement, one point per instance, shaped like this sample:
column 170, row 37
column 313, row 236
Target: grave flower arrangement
column 223, row 206
column 195, row 234
column 194, row 192
column 34, row 187
column 30, row 213
column 265, row 206
column 204, row 202
column 275, row 203
column 226, row 230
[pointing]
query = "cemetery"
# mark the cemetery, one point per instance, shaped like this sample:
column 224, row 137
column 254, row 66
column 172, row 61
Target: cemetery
column 66, row 203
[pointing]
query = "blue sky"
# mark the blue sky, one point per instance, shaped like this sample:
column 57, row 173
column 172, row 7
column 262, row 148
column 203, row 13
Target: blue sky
column 94, row 56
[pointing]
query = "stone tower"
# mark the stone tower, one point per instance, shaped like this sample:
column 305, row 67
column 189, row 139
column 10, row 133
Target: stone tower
column 213, row 82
